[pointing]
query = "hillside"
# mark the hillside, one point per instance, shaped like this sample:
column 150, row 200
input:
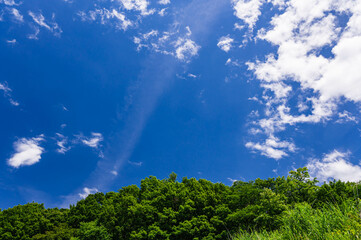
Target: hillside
column 283, row 207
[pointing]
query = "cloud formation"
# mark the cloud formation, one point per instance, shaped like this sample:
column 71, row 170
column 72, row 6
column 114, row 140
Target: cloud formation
column 317, row 59
column 248, row 10
column 272, row 147
column 17, row 15
column 176, row 42
column 62, row 143
column 335, row 165
column 9, row 2
column 94, row 141
column 27, row 152
column 7, row 91
column 87, row 191
column 225, row 43
column 52, row 26
column 105, row 16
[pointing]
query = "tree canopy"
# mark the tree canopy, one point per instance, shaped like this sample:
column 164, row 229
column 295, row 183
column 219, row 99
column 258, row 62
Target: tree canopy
column 171, row 209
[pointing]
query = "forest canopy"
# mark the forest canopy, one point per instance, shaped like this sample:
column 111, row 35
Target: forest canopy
column 186, row 209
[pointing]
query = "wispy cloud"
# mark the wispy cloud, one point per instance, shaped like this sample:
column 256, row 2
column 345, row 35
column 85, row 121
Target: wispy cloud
column 34, row 35
column 52, row 26
column 175, row 42
column 12, row 41
column 16, row 14
column 93, row 141
column 62, row 143
column 105, row 15
column 87, row 191
column 137, row 5
column 138, row 164
column 177, row 45
column 27, row 152
column 10, row 2
column 164, row 2
column 7, row 93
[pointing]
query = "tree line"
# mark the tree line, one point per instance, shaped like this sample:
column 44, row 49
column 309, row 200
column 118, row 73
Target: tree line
column 186, row 209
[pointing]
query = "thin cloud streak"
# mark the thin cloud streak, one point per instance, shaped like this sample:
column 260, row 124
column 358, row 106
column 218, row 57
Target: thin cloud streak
column 155, row 79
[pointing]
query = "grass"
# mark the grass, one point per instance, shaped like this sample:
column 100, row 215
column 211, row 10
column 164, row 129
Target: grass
column 303, row 222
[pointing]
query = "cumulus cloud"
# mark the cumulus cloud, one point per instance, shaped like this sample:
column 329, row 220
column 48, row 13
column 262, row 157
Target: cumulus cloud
column 27, row 152
column 272, row 147
column 335, row 165
column 323, row 80
column 87, row 191
column 248, row 10
column 225, row 43
column 185, row 48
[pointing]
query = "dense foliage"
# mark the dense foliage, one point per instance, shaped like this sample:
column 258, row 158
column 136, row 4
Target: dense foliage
column 196, row 209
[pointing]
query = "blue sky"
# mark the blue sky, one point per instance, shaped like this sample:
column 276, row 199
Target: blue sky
column 96, row 95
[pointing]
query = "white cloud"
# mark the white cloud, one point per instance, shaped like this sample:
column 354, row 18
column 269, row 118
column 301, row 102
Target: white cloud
column 162, row 12
column 232, row 180
column 5, row 88
column 105, row 15
column 138, row 164
column 87, row 191
column 164, row 2
column 322, row 80
column 346, row 116
column 27, row 152
column 9, row 2
column 62, row 143
column 176, row 43
column 225, row 43
column 272, row 147
column 39, row 19
column 93, row 141
column 7, row 92
column 34, row 36
column 12, row 42
column 185, row 49
column 138, row 5
column 248, row 10
column 17, row 15
column 335, row 165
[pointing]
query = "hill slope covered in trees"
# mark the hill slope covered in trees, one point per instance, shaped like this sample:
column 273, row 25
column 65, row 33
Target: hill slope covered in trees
column 282, row 207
